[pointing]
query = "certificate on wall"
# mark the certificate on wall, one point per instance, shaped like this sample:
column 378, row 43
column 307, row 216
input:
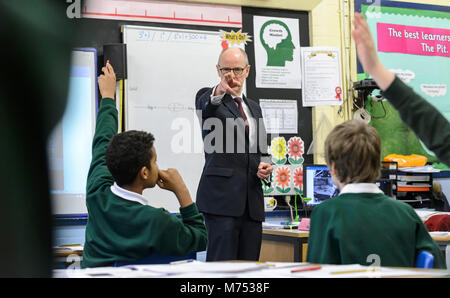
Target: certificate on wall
column 277, row 52
column 321, row 76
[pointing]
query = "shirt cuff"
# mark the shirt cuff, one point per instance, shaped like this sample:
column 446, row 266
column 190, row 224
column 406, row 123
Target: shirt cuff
column 216, row 100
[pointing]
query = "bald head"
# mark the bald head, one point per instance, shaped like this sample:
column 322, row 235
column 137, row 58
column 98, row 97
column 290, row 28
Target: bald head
column 235, row 53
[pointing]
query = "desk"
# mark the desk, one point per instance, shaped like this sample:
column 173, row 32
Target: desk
column 442, row 241
column 279, row 245
column 65, row 256
column 283, row 245
column 239, row 269
column 444, row 245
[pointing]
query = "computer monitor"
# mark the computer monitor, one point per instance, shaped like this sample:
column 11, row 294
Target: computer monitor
column 317, row 184
column 70, row 144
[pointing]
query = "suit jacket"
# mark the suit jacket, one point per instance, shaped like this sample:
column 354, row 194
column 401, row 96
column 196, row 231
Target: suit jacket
column 229, row 176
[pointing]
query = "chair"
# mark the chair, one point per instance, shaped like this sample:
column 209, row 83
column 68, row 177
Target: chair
column 425, row 260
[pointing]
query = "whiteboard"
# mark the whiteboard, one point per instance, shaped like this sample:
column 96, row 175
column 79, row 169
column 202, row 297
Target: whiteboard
column 166, row 68
column 69, row 146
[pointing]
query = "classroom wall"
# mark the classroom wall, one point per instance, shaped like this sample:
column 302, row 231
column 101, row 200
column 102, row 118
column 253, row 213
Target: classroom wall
column 326, row 23
column 330, row 25
column 305, row 5
column 327, row 26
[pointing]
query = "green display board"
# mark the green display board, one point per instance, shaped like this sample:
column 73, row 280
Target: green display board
column 413, row 41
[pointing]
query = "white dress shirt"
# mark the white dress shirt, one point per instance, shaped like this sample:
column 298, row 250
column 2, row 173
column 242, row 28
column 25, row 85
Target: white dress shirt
column 128, row 195
column 360, row 188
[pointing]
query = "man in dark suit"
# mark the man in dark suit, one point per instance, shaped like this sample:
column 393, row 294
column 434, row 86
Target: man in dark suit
column 230, row 192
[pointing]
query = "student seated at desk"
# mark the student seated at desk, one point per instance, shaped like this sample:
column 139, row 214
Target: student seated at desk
column 362, row 225
column 121, row 226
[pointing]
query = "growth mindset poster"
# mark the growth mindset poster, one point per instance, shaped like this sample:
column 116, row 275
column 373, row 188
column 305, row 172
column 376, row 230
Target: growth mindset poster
column 277, row 52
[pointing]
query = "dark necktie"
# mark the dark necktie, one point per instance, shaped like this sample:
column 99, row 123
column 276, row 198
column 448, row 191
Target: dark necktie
column 238, row 100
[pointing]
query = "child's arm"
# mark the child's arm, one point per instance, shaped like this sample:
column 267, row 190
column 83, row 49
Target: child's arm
column 105, row 128
column 171, row 180
column 179, row 237
column 367, row 54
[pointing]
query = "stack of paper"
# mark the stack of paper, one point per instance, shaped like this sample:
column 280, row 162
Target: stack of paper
column 198, row 269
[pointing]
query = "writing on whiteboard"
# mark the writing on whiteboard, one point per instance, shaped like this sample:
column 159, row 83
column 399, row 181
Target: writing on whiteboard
column 168, row 36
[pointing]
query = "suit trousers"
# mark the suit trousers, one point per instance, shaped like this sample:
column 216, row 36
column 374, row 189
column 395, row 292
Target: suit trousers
column 233, row 238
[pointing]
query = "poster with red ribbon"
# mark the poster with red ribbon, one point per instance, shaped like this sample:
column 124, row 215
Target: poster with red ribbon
column 321, row 76
column 338, row 91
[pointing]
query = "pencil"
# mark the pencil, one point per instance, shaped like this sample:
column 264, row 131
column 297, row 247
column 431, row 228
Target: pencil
column 182, row 262
column 306, row 269
column 355, row 271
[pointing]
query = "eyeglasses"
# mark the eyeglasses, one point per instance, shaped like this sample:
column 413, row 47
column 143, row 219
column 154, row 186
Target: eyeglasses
column 236, row 70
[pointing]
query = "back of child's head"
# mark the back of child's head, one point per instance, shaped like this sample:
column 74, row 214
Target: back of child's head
column 354, row 147
column 127, row 153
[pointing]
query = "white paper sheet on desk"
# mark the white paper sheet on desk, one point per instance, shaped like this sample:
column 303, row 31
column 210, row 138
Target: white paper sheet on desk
column 201, row 267
column 326, row 272
column 104, row 272
column 193, row 269
column 267, row 225
column 239, row 270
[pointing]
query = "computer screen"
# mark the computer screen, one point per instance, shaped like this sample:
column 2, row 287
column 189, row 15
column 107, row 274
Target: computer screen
column 69, row 146
column 317, row 184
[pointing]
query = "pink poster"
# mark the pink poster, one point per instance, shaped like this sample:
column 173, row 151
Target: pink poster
column 164, row 11
column 413, row 40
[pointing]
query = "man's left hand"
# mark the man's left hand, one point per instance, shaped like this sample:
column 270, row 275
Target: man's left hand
column 264, row 170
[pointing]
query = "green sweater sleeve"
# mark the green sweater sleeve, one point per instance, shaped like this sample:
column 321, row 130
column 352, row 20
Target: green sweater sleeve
column 105, row 129
column 179, row 237
column 422, row 117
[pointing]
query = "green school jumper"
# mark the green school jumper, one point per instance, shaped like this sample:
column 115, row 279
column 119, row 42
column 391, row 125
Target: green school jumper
column 121, row 227
column 422, row 117
column 367, row 227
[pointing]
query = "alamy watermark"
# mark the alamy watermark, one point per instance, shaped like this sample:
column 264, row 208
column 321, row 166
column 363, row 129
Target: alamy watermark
column 74, row 9
column 219, row 135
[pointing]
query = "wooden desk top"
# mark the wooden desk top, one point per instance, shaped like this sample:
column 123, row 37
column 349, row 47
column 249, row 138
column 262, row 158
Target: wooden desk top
column 289, row 233
column 305, row 234
column 441, row 239
column 67, row 250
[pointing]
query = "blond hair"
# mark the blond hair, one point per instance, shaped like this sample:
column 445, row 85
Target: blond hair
column 354, row 147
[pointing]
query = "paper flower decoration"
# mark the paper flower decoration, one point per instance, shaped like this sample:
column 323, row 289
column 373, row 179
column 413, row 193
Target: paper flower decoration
column 267, row 189
column 278, row 150
column 297, row 178
column 295, row 150
column 283, row 179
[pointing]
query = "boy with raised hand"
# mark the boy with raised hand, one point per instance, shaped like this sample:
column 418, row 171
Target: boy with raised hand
column 362, row 225
column 121, row 226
